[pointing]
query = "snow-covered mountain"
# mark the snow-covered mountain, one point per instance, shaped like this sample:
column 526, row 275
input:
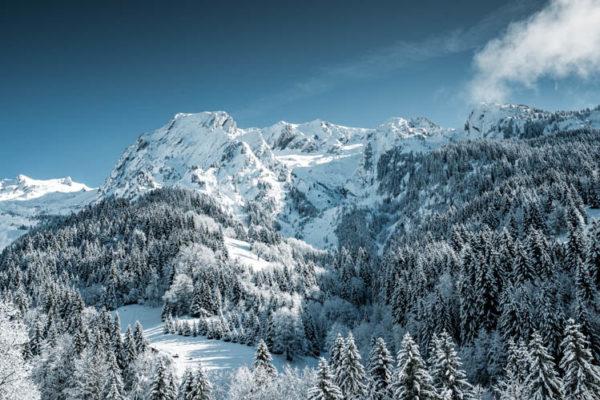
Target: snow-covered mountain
column 520, row 121
column 301, row 178
column 24, row 201
column 25, row 188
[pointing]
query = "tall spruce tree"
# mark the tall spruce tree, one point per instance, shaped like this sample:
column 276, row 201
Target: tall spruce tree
column 202, row 386
column 381, row 366
column 351, row 375
column 581, row 379
column 411, row 379
column 263, row 360
column 325, row 388
column 187, row 385
column 141, row 344
column 162, row 387
column 512, row 386
column 446, row 372
column 543, row 382
column 336, row 354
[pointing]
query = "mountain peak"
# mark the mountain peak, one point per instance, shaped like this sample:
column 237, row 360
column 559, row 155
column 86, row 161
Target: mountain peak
column 491, row 120
column 209, row 120
column 25, row 188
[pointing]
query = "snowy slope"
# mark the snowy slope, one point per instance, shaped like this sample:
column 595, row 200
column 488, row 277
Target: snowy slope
column 25, row 188
column 187, row 351
column 24, row 201
column 301, row 175
column 509, row 120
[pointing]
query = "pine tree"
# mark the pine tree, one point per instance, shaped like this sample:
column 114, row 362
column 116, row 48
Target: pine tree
column 114, row 383
column 162, row 385
column 167, row 324
column 196, row 307
column 592, row 257
column 186, row 388
column 263, row 360
column 352, row 374
column 575, row 245
column 512, row 385
column 543, row 382
column 381, row 366
column 129, row 348
column 337, row 353
column 325, row 389
column 141, row 344
column 581, row 379
column 202, row 386
column 446, row 372
column 411, row 379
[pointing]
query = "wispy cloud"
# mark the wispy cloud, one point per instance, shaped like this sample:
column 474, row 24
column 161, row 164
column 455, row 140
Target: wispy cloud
column 562, row 40
column 386, row 60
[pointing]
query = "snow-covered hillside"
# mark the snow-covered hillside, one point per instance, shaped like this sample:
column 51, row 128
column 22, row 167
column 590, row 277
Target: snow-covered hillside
column 24, row 201
column 300, row 178
column 508, row 120
column 25, row 188
column 187, row 351
column 299, row 175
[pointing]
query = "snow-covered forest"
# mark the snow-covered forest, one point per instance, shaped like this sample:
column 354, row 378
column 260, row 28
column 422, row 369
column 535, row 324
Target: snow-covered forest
column 473, row 272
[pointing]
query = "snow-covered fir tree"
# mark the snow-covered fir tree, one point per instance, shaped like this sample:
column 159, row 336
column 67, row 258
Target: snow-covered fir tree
column 325, row 388
column 336, row 354
column 263, row 360
column 351, row 374
column 543, row 381
column 381, row 369
column 411, row 378
column 448, row 377
column 163, row 385
column 581, row 378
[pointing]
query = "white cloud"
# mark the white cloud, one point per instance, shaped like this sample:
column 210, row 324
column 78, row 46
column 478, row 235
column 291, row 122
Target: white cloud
column 562, row 40
column 386, row 60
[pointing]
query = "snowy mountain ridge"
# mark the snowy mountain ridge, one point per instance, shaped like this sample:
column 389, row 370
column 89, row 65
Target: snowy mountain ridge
column 24, row 188
column 301, row 177
column 24, row 201
column 497, row 121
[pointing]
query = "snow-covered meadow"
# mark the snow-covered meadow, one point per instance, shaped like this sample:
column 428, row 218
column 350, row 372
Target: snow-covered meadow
column 188, row 351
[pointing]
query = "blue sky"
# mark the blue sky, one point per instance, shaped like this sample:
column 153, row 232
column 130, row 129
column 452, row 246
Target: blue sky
column 80, row 80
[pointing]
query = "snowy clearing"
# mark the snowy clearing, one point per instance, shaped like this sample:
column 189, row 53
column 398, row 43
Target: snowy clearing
column 241, row 252
column 187, row 351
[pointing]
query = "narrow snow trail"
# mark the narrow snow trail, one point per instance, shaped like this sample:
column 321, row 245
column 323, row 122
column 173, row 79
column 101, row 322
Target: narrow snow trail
column 188, row 351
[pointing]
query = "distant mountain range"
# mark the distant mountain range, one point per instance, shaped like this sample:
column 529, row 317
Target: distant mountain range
column 299, row 178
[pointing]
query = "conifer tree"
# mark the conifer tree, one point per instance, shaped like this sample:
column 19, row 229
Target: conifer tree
column 196, row 307
column 512, row 385
column 325, row 388
column 581, row 379
column 543, row 382
column 141, row 344
column 187, row 385
column 162, row 385
column 263, row 360
column 446, row 372
column 202, row 386
column 592, row 257
column 337, row 353
column 411, row 379
column 114, row 390
column 129, row 347
column 351, row 375
column 167, row 324
column 381, row 365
